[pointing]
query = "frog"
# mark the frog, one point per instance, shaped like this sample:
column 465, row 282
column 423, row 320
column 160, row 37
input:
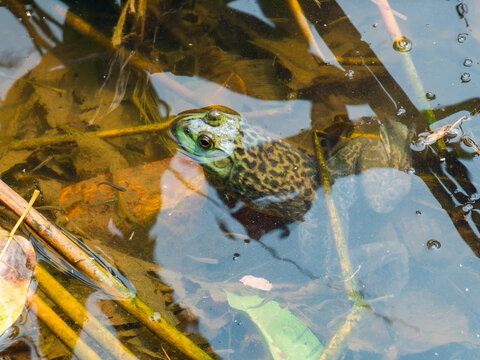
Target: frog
column 266, row 173
column 271, row 176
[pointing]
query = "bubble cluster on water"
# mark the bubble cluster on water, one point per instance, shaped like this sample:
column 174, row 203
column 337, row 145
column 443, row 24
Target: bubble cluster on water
column 465, row 77
column 403, row 44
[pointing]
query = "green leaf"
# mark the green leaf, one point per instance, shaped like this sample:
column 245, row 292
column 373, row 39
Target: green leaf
column 285, row 335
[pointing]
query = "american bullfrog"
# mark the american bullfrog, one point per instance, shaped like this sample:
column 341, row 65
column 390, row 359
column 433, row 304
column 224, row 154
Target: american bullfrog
column 272, row 176
column 267, row 174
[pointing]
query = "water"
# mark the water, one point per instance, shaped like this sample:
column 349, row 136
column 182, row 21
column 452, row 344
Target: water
column 409, row 219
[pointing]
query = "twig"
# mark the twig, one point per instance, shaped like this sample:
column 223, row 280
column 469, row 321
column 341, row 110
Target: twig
column 35, row 83
column 25, row 212
column 102, row 278
column 444, row 131
column 62, row 330
column 77, row 312
column 59, row 139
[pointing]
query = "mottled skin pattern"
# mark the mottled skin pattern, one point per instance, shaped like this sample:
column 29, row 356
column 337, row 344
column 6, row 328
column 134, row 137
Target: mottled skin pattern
column 388, row 149
column 267, row 174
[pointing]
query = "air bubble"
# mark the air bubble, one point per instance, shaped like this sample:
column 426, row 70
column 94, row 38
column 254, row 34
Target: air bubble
column 474, row 197
column 375, row 25
column 462, row 37
column 401, row 111
column 418, row 145
column 403, row 44
column 465, row 78
column 433, row 244
column 467, row 208
column 467, row 62
column 236, row 256
column 430, row 96
column 349, row 74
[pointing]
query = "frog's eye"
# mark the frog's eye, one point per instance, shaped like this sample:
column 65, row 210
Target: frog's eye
column 205, row 142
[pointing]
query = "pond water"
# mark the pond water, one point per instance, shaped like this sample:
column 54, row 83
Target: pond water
column 391, row 239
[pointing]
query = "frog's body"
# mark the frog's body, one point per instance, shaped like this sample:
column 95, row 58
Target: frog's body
column 267, row 174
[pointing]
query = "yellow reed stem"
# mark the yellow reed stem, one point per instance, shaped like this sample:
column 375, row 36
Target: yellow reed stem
column 77, row 312
column 20, row 220
column 59, row 139
column 62, row 330
column 305, row 28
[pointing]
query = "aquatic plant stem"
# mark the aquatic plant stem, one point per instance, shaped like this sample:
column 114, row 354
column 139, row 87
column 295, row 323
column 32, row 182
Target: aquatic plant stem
column 336, row 344
column 59, row 139
column 62, row 330
column 336, row 224
column 77, row 312
column 305, row 28
column 356, row 313
column 102, row 278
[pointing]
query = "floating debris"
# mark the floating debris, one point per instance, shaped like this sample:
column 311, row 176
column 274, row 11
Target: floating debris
column 462, row 9
column 256, row 282
column 430, row 96
column 425, row 139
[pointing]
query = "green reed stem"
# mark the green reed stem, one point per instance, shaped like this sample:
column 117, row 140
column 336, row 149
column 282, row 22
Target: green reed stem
column 356, row 313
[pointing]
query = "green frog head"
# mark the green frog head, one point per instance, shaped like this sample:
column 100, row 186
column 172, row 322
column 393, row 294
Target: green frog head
column 210, row 136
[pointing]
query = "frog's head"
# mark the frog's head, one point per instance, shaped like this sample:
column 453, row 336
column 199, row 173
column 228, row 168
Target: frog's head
column 209, row 136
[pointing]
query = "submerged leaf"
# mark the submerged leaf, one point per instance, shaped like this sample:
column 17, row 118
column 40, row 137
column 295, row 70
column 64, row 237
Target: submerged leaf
column 16, row 271
column 286, row 336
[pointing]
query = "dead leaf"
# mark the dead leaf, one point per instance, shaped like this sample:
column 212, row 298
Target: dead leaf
column 150, row 188
column 16, row 271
